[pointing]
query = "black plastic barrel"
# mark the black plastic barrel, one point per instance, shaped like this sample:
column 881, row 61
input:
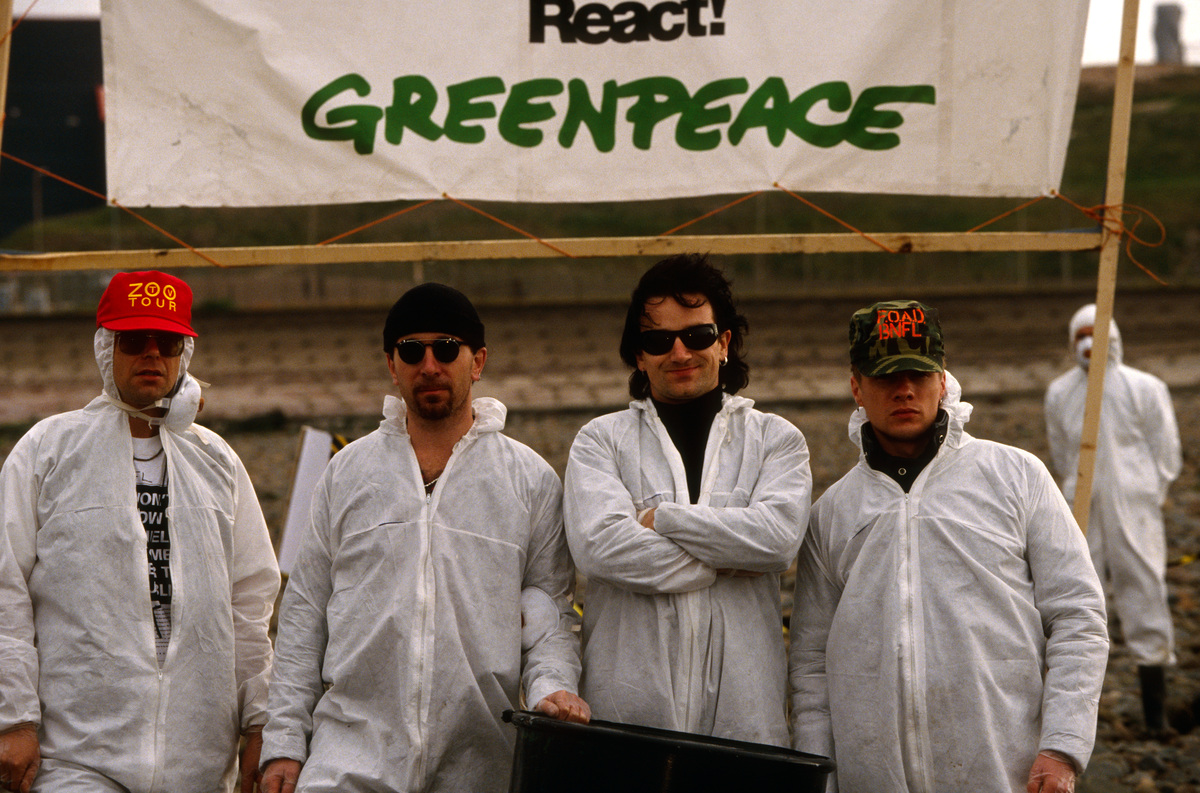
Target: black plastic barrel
column 606, row 757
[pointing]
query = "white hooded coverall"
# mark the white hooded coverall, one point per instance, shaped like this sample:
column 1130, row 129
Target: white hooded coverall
column 399, row 641
column 942, row 637
column 77, row 649
column 1137, row 457
column 668, row 642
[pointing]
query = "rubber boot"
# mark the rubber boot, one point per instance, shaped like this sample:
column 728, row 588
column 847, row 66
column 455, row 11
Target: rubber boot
column 1154, row 696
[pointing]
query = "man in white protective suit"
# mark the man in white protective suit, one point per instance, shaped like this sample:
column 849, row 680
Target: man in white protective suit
column 948, row 632
column 1137, row 457
column 682, row 511
column 432, row 589
column 137, row 576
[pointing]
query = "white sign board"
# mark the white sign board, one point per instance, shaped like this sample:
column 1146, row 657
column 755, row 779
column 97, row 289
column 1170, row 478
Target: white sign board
column 316, row 447
column 259, row 102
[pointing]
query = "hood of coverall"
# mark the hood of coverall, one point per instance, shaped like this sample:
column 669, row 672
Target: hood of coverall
column 1083, row 318
column 182, row 403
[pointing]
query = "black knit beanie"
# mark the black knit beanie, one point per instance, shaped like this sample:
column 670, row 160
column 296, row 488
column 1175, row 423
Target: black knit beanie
column 433, row 308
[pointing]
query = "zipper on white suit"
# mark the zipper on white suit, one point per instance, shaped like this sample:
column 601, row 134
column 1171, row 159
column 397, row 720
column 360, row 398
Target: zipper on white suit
column 689, row 602
column 428, row 602
column 918, row 759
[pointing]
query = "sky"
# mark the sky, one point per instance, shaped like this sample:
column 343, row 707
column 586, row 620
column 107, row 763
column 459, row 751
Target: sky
column 1100, row 46
column 1102, row 43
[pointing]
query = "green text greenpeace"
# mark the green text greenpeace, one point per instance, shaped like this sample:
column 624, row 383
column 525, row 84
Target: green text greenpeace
column 721, row 110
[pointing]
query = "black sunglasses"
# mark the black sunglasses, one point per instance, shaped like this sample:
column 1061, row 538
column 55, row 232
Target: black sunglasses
column 134, row 342
column 412, row 351
column 697, row 337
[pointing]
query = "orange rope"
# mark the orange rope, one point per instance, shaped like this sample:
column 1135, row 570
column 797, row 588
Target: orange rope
column 509, row 226
column 710, row 214
column 1111, row 220
column 834, row 218
column 103, row 198
column 375, row 222
column 1003, row 215
column 20, row 19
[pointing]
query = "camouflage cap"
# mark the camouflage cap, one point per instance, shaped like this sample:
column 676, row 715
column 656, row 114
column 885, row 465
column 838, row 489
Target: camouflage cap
column 896, row 336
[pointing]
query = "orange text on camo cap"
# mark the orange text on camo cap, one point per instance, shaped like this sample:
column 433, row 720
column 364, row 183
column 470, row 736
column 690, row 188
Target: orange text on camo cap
column 894, row 324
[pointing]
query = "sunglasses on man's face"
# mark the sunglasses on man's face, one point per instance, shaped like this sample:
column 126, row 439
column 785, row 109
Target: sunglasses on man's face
column 135, row 342
column 412, row 351
column 697, row 337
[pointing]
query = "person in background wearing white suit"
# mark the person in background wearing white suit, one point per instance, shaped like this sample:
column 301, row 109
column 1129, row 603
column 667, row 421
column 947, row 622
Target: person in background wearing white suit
column 1137, row 457
column 948, row 632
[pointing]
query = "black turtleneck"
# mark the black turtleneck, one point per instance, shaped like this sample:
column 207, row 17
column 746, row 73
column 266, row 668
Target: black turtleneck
column 688, row 425
column 904, row 469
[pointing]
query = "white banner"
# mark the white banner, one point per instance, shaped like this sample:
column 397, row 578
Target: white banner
column 284, row 102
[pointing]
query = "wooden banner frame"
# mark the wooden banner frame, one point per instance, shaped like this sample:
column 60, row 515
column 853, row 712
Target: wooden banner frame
column 6, row 15
column 576, row 247
column 1110, row 251
column 1107, row 240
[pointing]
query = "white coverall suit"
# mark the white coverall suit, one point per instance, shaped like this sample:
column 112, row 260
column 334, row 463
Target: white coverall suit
column 77, row 648
column 1137, row 457
column 668, row 642
column 400, row 640
column 942, row 637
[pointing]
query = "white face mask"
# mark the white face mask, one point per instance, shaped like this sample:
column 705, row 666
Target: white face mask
column 1083, row 348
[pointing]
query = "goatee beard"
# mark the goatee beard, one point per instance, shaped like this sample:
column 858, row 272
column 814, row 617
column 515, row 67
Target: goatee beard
column 433, row 411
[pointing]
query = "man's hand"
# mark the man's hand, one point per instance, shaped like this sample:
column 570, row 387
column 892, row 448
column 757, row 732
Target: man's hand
column 1052, row 772
column 20, row 757
column 565, row 706
column 251, row 751
column 647, row 518
column 280, row 776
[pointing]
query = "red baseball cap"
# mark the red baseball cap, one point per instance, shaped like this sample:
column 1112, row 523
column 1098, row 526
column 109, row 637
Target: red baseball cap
column 147, row 300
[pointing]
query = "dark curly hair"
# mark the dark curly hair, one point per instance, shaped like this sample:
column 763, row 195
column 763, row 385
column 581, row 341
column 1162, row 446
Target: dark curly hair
column 675, row 277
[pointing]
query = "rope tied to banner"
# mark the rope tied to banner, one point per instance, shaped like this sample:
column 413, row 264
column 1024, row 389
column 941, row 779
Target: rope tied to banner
column 509, row 226
column 835, row 218
column 802, row 200
column 18, row 21
column 707, row 215
column 1111, row 220
column 383, row 219
column 115, row 203
column 1003, row 215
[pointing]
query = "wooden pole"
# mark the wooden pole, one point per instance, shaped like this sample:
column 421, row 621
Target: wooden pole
column 576, row 247
column 1110, row 250
column 6, row 20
